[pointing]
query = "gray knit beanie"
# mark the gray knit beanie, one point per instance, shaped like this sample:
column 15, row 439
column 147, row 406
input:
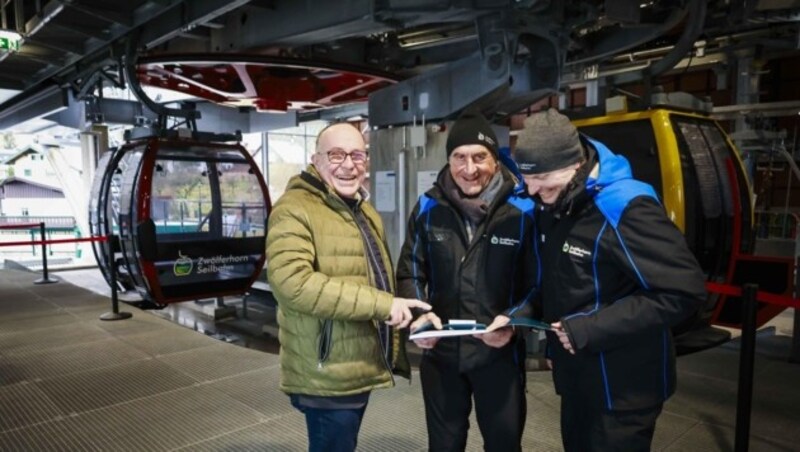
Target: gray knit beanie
column 548, row 142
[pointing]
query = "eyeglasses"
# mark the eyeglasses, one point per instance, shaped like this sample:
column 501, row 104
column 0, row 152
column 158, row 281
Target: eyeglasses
column 458, row 159
column 338, row 156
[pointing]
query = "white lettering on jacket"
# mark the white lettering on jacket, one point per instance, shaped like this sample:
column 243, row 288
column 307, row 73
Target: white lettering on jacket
column 575, row 250
column 507, row 241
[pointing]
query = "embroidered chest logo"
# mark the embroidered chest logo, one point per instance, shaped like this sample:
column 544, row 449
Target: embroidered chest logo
column 438, row 236
column 506, row 241
column 575, row 250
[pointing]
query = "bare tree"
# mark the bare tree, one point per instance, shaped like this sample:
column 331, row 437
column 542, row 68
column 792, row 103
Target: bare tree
column 8, row 141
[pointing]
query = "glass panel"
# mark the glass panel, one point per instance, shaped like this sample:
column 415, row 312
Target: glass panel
column 181, row 198
column 707, row 176
column 289, row 152
column 709, row 224
column 244, row 212
column 287, row 158
column 121, row 189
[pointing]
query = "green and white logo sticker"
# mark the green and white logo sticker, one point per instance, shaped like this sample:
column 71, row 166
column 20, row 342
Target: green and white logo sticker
column 183, row 265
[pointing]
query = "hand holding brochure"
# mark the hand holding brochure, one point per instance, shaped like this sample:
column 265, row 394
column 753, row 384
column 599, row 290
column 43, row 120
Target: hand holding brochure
column 470, row 327
column 526, row 322
column 454, row 328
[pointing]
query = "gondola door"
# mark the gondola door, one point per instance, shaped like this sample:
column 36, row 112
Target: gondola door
column 201, row 212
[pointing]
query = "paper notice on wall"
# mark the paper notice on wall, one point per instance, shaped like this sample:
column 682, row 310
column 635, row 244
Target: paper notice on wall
column 385, row 191
column 425, row 180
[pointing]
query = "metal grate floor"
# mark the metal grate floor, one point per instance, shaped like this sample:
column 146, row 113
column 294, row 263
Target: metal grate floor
column 70, row 382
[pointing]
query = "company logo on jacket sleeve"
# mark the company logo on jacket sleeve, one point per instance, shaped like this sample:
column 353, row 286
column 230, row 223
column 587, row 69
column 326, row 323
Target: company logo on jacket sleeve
column 575, row 250
column 506, row 241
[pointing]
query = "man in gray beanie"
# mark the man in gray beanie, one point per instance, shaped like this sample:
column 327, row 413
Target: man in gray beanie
column 548, row 154
column 616, row 275
column 466, row 254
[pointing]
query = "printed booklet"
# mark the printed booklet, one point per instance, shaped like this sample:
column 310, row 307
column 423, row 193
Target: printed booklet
column 470, row 327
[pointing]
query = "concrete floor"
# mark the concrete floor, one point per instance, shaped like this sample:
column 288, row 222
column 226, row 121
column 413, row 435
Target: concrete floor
column 69, row 381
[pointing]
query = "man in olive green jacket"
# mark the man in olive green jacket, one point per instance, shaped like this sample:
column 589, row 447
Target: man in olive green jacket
column 330, row 270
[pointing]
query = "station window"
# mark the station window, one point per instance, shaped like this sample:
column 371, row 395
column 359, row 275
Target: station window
column 290, row 151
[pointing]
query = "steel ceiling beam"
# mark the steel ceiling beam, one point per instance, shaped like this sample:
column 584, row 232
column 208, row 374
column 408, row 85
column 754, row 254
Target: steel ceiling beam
column 57, row 45
column 96, row 52
column 14, row 83
column 178, row 20
column 99, row 13
column 44, row 103
column 95, row 33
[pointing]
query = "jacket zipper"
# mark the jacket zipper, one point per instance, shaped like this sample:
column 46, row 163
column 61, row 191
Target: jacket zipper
column 383, row 351
column 385, row 358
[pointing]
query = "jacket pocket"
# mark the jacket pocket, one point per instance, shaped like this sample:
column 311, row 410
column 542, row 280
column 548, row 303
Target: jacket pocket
column 324, row 342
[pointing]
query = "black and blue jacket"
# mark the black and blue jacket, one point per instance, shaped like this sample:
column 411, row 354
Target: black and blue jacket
column 491, row 275
column 618, row 274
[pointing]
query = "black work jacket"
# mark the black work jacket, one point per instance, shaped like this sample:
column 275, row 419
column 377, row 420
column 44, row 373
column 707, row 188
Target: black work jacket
column 478, row 280
column 618, row 274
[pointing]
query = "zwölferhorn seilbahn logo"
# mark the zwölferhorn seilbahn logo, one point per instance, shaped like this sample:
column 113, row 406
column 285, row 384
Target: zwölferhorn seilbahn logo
column 183, row 265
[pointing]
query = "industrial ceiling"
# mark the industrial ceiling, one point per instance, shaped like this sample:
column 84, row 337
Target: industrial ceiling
column 71, row 48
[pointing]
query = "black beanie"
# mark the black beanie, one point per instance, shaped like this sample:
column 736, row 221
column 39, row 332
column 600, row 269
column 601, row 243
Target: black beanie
column 548, row 142
column 471, row 128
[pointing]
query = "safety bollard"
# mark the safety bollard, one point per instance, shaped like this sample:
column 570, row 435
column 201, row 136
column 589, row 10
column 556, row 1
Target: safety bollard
column 747, row 353
column 45, row 279
column 115, row 313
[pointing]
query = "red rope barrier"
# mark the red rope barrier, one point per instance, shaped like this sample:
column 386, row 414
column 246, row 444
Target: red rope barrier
column 50, row 242
column 764, row 297
column 19, row 226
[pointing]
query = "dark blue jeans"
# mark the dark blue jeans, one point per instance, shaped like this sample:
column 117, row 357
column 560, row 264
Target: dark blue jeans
column 331, row 430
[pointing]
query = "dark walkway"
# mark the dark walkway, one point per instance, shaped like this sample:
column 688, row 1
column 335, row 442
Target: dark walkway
column 71, row 382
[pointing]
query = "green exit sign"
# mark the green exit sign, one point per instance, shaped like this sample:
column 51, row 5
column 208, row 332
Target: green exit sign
column 9, row 44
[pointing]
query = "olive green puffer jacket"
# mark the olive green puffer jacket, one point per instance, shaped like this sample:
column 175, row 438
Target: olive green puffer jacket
column 318, row 271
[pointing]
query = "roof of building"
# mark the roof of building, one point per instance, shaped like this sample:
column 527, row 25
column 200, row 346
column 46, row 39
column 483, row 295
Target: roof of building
column 19, row 180
column 23, row 152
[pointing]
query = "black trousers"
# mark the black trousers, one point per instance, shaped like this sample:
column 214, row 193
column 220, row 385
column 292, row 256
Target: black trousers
column 499, row 393
column 586, row 429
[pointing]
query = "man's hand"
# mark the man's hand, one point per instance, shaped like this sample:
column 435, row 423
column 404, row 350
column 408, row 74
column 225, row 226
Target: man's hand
column 562, row 336
column 498, row 334
column 400, row 315
column 499, row 322
column 429, row 342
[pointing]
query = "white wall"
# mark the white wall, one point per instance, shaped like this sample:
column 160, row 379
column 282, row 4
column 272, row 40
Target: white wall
column 37, row 207
column 37, row 165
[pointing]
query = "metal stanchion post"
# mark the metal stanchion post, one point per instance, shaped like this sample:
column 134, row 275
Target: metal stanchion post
column 115, row 314
column 794, row 353
column 45, row 279
column 744, row 397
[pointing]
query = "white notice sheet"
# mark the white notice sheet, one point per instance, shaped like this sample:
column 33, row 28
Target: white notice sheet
column 425, row 180
column 384, row 190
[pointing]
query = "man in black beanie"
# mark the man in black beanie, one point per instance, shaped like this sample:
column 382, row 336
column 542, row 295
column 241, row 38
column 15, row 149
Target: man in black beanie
column 466, row 254
column 616, row 275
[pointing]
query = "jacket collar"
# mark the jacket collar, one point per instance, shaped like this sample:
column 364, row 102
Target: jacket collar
column 610, row 169
column 314, row 183
column 613, row 167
